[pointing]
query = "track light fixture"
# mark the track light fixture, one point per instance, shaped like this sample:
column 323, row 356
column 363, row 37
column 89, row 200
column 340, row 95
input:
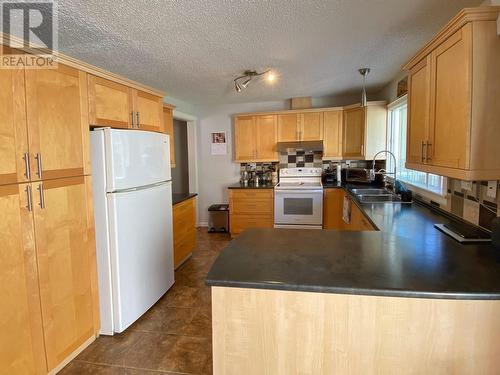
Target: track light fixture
column 247, row 77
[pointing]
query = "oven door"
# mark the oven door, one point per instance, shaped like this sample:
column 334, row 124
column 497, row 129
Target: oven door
column 298, row 207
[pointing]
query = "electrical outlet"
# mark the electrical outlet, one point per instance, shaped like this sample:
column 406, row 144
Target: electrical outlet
column 492, row 189
column 466, row 185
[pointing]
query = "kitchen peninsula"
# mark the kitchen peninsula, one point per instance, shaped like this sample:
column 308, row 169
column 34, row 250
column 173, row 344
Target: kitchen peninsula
column 325, row 302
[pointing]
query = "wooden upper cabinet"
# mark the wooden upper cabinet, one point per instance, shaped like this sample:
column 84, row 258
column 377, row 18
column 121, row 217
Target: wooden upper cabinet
column 288, row 127
column 64, row 240
column 14, row 151
column 266, row 138
column 364, row 131
column 57, row 116
column 21, row 341
column 244, row 138
column 454, row 93
column 451, row 101
column 332, row 134
column 255, row 138
column 110, row 103
column 148, row 111
column 354, row 133
column 418, row 113
column 307, row 126
column 311, row 126
column 168, row 128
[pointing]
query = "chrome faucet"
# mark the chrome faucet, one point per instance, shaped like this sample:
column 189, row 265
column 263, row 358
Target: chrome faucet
column 382, row 171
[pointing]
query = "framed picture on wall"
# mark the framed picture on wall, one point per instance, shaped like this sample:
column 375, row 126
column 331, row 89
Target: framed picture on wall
column 218, row 143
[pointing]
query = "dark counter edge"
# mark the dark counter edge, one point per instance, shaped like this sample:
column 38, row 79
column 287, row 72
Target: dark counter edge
column 181, row 197
column 354, row 291
column 240, row 186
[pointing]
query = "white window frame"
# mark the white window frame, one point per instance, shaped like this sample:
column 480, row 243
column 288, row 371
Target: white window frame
column 422, row 189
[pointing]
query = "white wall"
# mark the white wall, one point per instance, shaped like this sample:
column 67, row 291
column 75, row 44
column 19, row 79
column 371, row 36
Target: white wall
column 217, row 172
column 389, row 92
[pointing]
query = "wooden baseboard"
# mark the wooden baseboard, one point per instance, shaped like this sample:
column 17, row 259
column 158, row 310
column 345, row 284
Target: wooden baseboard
column 73, row 355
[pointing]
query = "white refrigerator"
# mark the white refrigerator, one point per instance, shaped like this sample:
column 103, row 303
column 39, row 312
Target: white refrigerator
column 133, row 219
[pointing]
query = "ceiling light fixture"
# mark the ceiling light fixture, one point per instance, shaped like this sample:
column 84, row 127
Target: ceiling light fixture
column 248, row 75
column 364, row 72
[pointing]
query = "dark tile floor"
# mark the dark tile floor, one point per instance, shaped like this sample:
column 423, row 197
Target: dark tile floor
column 173, row 337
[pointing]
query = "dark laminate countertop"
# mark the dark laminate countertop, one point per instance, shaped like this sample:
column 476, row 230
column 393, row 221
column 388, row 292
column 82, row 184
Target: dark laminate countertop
column 241, row 186
column 181, row 197
column 408, row 257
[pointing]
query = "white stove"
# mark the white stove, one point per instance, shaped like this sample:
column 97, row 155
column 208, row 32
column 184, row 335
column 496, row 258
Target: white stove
column 298, row 199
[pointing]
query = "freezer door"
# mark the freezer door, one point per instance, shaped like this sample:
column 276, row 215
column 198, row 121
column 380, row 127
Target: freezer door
column 135, row 158
column 142, row 265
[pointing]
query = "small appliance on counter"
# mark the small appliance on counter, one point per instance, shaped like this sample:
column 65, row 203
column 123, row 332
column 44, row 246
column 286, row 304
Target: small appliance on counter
column 244, row 177
column 329, row 177
column 362, row 176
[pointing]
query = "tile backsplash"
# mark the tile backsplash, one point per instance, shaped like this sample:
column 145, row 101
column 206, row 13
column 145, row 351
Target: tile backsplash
column 474, row 204
column 301, row 158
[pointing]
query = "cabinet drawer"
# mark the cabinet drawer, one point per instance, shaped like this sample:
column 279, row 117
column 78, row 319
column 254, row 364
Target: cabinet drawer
column 241, row 222
column 251, row 194
column 252, row 206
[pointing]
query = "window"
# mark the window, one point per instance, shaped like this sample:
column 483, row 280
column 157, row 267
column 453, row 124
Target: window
column 397, row 144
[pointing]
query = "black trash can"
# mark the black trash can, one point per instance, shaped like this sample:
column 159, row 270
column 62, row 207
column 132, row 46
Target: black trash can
column 218, row 218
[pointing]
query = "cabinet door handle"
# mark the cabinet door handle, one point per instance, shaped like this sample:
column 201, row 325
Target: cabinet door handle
column 424, row 158
column 132, row 114
column 27, row 168
column 42, row 197
column 138, row 120
column 28, row 195
column 38, row 158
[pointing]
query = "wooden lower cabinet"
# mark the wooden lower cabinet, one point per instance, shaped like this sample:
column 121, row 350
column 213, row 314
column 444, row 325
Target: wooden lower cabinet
column 250, row 208
column 65, row 252
column 184, row 224
column 359, row 222
column 280, row 332
column 21, row 341
column 333, row 203
column 48, row 276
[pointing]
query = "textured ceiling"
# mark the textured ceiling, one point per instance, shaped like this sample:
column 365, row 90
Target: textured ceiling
column 193, row 49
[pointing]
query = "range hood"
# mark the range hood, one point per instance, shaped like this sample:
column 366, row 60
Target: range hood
column 300, row 145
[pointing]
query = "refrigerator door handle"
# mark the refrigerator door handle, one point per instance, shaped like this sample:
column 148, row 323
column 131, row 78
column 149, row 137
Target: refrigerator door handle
column 145, row 187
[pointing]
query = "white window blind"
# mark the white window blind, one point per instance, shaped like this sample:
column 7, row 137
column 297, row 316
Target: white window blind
column 397, row 131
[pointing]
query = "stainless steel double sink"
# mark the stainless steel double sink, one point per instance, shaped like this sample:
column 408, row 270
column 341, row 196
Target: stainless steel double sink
column 373, row 195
